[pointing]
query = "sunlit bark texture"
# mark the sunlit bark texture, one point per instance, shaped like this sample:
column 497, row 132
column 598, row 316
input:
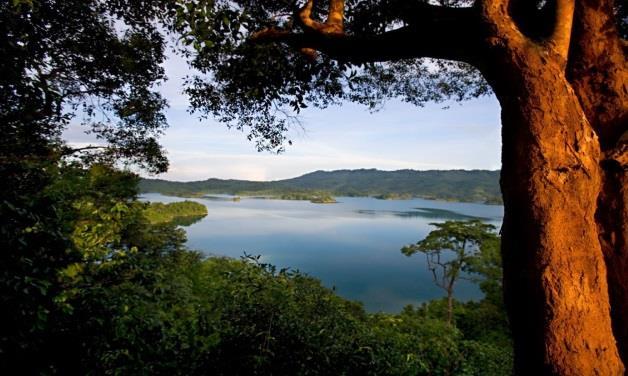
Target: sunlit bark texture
column 558, row 69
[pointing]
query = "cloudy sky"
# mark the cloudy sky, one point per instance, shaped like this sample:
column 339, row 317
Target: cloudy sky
column 399, row 136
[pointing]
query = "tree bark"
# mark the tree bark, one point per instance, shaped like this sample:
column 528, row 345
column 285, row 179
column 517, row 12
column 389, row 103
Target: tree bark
column 450, row 306
column 612, row 217
column 598, row 72
column 555, row 278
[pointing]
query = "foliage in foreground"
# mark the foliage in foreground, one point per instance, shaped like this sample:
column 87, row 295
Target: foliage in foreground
column 88, row 286
column 125, row 297
column 238, row 317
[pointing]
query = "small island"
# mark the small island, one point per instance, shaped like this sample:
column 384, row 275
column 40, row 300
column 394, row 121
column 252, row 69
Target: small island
column 183, row 213
column 323, row 200
column 313, row 197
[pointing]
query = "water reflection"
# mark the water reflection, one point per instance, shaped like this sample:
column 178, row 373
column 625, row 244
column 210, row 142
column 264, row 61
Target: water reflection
column 187, row 221
column 430, row 213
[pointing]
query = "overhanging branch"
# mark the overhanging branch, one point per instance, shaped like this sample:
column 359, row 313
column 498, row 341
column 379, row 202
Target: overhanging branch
column 430, row 31
column 70, row 151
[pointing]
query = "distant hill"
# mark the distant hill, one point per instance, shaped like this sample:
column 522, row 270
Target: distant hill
column 451, row 185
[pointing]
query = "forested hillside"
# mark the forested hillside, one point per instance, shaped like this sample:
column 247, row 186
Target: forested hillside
column 454, row 185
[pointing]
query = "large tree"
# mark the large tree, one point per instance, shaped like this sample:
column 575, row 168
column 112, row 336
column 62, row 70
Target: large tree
column 558, row 69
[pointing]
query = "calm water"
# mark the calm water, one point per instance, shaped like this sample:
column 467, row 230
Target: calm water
column 353, row 246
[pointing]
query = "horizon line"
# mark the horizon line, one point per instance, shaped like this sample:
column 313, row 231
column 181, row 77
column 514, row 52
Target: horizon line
column 315, row 171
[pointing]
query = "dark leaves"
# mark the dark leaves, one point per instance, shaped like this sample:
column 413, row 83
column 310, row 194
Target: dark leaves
column 262, row 87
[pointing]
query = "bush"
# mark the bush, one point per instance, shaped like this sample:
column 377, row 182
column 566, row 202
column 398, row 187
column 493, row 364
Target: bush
column 239, row 317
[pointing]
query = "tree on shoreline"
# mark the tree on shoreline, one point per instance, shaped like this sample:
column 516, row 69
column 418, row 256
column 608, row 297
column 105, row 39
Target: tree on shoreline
column 462, row 238
column 558, row 69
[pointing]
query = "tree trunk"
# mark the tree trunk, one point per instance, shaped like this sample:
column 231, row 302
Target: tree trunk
column 612, row 219
column 450, row 307
column 598, row 72
column 555, row 277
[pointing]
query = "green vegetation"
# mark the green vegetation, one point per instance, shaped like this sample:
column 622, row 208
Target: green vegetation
column 450, row 250
column 130, row 299
column 314, row 197
column 395, row 196
column 453, row 185
column 323, row 200
column 157, row 212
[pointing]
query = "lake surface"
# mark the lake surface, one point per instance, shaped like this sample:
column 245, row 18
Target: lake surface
column 353, row 246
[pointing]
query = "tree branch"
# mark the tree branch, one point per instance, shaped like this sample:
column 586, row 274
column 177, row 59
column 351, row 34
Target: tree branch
column 495, row 13
column 561, row 35
column 70, row 151
column 598, row 69
column 334, row 22
column 432, row 31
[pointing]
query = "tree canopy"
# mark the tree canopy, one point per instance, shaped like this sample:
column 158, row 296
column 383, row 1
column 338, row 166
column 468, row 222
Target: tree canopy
column 453, row 249
column 263, row 86
column 558, row 69
column 90, row 64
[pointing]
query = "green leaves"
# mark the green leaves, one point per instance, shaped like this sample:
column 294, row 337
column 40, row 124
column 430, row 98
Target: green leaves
column 175, row 211
column 262, row 87
column 65, row 60
column 450, row 250
column 453, row 235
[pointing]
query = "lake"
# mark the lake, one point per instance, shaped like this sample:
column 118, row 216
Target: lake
column 352, row 246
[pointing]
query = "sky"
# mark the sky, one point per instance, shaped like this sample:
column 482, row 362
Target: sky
column 399, row 136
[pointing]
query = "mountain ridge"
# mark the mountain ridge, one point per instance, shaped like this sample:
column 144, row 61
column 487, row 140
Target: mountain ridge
column 453, row 185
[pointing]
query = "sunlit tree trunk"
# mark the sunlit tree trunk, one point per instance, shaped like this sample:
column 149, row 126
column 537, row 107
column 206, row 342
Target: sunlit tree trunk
column 598, row 72
column 555, row 276
column 556, row 283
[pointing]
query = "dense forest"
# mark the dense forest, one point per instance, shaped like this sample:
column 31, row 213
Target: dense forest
column 451, row 185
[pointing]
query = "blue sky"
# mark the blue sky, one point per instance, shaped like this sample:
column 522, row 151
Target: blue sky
column 399, row 136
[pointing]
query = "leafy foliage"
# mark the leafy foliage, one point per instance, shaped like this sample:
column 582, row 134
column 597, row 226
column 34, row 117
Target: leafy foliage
column 157, row 212
column 69, row 63
column 230, row 317
column 89, row 286
column 98, row 60
column 452, row 249
column 77, row 224
column 262, row 87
